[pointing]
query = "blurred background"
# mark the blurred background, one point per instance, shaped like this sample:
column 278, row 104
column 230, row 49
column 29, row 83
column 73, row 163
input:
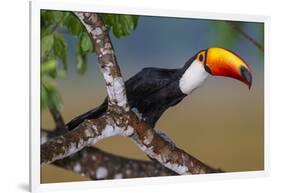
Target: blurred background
column 221, row 123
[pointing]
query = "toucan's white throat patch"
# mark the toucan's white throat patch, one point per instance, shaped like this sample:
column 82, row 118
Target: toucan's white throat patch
column 193, row 77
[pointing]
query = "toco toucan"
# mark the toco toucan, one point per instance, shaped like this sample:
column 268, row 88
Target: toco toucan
column 153, row 90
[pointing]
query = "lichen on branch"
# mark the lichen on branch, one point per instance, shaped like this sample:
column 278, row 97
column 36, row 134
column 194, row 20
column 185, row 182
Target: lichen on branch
column 86, row 134
column 99, row 165
column 92, row 162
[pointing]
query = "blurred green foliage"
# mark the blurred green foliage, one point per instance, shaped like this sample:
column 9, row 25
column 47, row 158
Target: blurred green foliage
column 225, row 34
column 54, row 48
column 121, row 25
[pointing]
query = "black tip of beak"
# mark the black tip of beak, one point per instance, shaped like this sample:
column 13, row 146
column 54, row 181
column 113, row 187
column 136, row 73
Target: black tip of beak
column 247, row 76
column 250, row 85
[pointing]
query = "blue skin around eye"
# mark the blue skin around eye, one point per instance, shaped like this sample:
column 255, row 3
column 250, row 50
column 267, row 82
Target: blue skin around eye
column 201, row 58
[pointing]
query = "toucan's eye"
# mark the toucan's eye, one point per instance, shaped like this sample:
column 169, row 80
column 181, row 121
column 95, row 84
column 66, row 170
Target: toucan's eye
column 201, row 57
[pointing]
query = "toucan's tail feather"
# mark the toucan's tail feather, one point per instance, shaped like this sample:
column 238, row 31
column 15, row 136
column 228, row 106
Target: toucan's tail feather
column 92, row 114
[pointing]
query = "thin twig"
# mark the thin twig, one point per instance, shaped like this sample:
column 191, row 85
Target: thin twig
column 58, row 119
column 246, row 35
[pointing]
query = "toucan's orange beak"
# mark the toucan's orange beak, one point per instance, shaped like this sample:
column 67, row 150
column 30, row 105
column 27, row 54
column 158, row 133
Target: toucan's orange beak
column 221, row 62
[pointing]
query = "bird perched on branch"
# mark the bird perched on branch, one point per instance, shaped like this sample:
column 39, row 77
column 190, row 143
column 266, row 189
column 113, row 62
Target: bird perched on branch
column 153, row 90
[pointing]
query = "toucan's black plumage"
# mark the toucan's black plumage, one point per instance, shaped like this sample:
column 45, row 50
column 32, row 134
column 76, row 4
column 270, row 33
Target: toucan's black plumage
column 151, row 91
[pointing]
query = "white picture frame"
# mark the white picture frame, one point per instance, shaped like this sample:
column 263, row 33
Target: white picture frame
column 36, row 6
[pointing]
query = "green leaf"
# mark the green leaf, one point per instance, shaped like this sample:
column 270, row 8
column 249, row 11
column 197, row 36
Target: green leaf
column 86, row 43
column 46, row 18
column 121, row 25
column 43, row 98
column 49, row 67
column 47, row 83
column 73, row 24
column 116, row 28
column 50, row 20
column 61, row 73
column 125, row 26
column 53, row 99
column 51, row 15
column 108, row 19
column 57, row 16
column 130, row 22
column 81, row 65
column 83, row 47
column 81, row 59
column 47, row 43
column 105, row 19
column 135, row 21
column 226, row 36
column 60, row 48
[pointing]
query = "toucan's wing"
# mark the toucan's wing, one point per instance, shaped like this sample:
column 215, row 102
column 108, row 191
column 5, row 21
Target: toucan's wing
column 148, row 81
column 144, row 91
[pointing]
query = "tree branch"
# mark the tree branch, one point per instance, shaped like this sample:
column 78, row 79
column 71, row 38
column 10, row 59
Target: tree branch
column 69, row 143
column 246, row 35
column 104, row 49
column 97, row 165
column 91, row 162
column 87, row 133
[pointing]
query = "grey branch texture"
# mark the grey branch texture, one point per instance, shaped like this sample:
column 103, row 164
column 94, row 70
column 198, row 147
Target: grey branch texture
column 104, row 49
column 97, row 164
column 118, row 120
